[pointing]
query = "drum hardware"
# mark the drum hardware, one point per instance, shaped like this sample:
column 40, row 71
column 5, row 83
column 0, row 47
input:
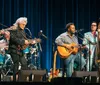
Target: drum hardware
column 31, row 55
column 6, row 66
column 30, row 64
column 19, row 68
column 4, row 74
column 36, row 56
column 32, row 67
column 32, row 50
column 8, row 59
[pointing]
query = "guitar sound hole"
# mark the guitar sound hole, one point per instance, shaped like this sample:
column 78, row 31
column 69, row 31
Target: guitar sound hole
column 72, row 47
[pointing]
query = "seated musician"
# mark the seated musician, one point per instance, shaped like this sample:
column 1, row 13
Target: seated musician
column 65, row 40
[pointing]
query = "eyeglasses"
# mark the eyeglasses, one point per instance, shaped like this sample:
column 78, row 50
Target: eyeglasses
column 93, row 25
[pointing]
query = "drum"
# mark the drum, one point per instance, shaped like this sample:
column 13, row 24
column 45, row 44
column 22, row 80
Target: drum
column 1, row 59
column 27, row 50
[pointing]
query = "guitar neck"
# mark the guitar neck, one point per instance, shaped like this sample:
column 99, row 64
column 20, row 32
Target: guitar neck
column 32, row 40
column 54, row 62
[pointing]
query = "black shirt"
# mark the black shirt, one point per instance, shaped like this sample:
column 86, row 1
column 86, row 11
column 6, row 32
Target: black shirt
column 17, row 38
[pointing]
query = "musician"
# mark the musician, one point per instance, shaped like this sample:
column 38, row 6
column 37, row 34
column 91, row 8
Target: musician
column 5, row 36
column 65, row 39
column 98, row 44
column 90, row 40
column 4, row 41
column 17, row 40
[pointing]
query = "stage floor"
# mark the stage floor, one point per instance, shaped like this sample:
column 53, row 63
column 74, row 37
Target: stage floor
column 45, row 83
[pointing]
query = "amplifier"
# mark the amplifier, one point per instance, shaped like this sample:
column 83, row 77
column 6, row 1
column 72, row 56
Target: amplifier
column 31, row 75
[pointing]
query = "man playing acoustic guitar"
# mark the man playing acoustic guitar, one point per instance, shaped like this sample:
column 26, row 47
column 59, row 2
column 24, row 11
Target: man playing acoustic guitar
column 67, row 46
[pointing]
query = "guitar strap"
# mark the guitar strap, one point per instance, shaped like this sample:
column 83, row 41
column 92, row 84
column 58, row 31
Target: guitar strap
column 23, row 35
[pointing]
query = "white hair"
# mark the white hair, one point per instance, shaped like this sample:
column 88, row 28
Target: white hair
column 20, row 20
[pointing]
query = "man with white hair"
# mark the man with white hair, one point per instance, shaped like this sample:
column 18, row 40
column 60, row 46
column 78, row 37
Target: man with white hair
column 17, row 40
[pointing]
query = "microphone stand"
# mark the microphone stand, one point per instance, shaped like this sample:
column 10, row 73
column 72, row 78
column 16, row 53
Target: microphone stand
column 89, row 55
column 80, row 51
column 53, row 49
column 89, row 49
column 41, row 34
column 40, row 48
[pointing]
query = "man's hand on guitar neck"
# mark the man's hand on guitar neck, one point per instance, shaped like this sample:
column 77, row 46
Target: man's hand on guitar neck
column 32, row 41
column 27, row 42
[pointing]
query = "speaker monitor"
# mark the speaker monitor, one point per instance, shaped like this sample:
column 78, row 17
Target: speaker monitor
column 7, row 78
column 86, row 73
column 36, row 75
column 88, row 76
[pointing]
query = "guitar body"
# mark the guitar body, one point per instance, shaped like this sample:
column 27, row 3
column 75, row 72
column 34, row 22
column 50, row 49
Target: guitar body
column 65, row 53
column 24, row 47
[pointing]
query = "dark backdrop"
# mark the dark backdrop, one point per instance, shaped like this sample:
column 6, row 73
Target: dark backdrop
column 50, row 16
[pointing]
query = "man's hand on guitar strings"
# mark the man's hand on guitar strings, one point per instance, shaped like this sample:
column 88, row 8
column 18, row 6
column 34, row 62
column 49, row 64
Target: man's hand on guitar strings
column 68, row 47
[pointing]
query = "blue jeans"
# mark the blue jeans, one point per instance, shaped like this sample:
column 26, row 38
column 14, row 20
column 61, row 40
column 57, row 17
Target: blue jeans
column 69, row 62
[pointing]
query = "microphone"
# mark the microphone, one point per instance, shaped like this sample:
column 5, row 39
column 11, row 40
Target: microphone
column 29, row 32
column 77, row 31
column 41, row 33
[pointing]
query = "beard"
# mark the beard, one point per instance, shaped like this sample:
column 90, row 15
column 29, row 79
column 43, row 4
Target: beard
column 72, row 32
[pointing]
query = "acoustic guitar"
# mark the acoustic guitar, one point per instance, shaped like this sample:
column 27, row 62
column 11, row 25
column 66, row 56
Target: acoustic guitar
column 65, row 52
column 54, row 72
column 31, row 41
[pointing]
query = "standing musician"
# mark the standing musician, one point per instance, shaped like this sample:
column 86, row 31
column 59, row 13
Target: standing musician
column 90, row 41
column 98, row 47
column 16, row 42
column 65, row 41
